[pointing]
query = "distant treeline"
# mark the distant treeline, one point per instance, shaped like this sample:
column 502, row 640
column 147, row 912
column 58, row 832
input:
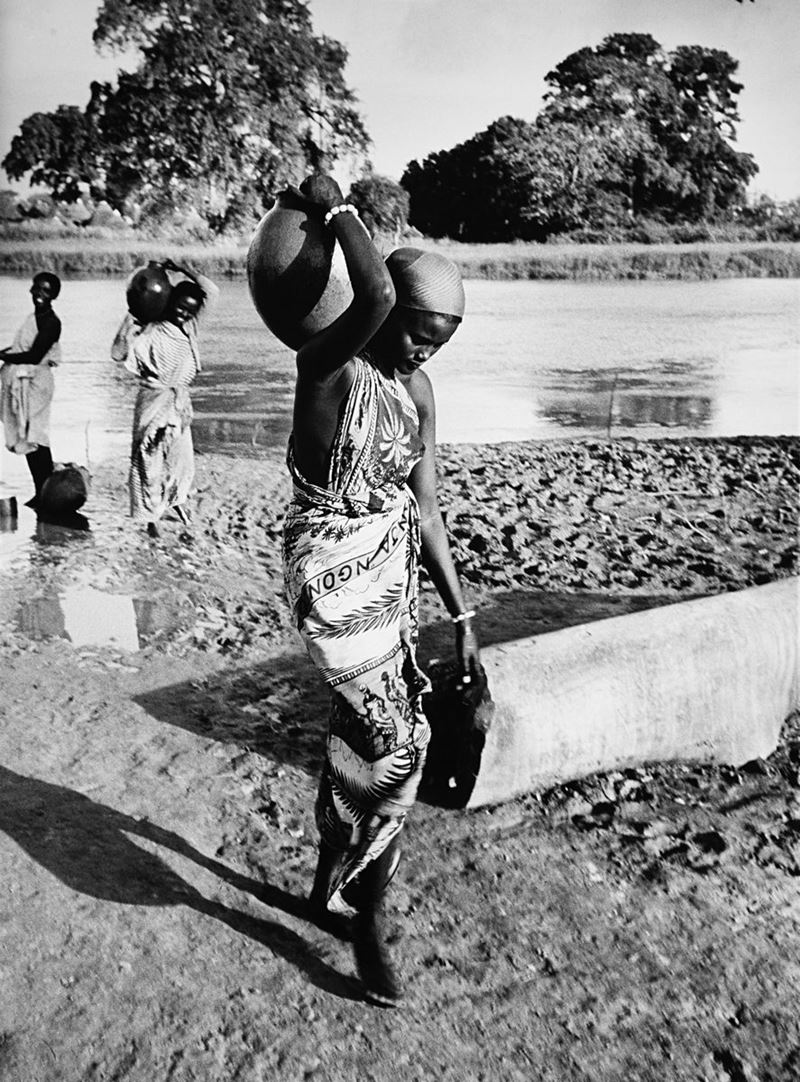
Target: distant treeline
column 231, row 102
column 519, row 261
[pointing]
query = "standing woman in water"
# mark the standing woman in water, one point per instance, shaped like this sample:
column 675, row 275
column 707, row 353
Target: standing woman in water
column 165, row 356
column 26, row 382
column 364, row 512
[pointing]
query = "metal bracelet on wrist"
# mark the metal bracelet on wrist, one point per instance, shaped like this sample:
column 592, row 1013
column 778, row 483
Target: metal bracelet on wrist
column 463, row 617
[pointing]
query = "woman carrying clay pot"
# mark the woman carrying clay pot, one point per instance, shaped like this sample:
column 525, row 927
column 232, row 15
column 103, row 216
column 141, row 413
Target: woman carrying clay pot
column 165, row 357
column 26, row 382
column 364, row 512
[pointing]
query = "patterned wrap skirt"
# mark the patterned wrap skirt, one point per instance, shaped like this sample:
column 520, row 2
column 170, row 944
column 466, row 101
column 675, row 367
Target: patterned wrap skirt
column 351, row 578
column 162, row 453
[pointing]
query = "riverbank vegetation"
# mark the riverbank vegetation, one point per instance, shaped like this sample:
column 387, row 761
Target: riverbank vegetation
column 90, row 255
column 635, row 144
column 628, row 132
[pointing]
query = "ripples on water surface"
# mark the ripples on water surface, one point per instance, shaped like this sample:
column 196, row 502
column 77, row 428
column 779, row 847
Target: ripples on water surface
column 532, row 360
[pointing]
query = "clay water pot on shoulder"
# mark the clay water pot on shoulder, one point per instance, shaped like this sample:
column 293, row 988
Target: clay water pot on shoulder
column 148, row 292
column 296, row 271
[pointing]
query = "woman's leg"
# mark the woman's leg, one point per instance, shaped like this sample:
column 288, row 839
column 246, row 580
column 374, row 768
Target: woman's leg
column 40, row 463
column 327, row 859
column 336, row 923
column 381, row 985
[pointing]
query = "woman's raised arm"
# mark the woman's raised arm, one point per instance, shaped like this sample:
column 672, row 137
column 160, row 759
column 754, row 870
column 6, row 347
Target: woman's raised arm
column 209, row 288
column 373, row 291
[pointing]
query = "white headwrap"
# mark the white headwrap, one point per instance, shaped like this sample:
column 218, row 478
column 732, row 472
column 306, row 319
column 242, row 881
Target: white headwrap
column 426, row 281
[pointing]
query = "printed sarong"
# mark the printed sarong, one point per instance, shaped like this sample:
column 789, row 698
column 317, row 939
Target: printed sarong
column 162, row 453
column 26, row 391
column 166, row 360
column 351, row 552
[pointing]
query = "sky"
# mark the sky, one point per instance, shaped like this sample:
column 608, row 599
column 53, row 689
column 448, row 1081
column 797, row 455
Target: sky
column 431, row 73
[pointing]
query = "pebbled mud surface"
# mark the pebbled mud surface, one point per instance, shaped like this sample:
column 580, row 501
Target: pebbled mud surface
column 156, row 804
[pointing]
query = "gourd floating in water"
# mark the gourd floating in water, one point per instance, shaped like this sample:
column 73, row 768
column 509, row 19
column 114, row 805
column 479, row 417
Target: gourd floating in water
column 148, row 293
column 296, row 271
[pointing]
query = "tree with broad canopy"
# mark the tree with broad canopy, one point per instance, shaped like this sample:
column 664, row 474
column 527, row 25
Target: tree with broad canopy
column 381, row 201
column 627, row 131
column 231, row 100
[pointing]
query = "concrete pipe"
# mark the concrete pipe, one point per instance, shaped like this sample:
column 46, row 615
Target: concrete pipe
column 710, row 680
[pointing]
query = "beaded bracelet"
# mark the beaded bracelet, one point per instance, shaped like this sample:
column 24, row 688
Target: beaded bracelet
column 463, row 616
column 342, row 208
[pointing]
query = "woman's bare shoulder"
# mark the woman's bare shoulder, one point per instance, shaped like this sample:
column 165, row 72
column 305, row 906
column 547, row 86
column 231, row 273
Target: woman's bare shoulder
column 420, row 391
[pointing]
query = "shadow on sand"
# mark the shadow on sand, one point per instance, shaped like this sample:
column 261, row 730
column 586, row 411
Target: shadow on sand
column 279, row 708
column 90, row 848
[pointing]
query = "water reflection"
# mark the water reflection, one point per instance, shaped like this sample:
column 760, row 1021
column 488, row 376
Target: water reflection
column 532, row 360
column 629, row 410
column 84, row 616
column 535, row 360
column 243, row 433
column 60, row 529
column 88, row 617
column 21, row 528
column 9, row 519
column 668, row 411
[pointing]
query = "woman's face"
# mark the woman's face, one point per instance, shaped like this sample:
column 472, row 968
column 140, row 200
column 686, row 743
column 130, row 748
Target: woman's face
column 182, row 309
column 41, row 293
column 409, row 338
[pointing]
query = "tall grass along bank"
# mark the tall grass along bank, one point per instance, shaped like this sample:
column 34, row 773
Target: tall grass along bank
column 101, row 257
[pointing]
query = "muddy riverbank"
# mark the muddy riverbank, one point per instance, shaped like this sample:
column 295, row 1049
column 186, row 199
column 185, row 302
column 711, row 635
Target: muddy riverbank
column 156, row 823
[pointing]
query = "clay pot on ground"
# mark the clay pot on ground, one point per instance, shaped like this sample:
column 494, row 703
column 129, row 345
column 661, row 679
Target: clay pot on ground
column 296, row 271
column 65, row 490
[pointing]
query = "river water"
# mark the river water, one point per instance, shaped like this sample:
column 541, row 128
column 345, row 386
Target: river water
column 532, row 360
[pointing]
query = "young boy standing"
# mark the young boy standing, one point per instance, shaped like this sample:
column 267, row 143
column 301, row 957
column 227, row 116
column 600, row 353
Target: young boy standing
column 26, row 381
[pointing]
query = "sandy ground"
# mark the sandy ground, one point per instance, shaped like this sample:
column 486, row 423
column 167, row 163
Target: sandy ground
column 157, row 831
